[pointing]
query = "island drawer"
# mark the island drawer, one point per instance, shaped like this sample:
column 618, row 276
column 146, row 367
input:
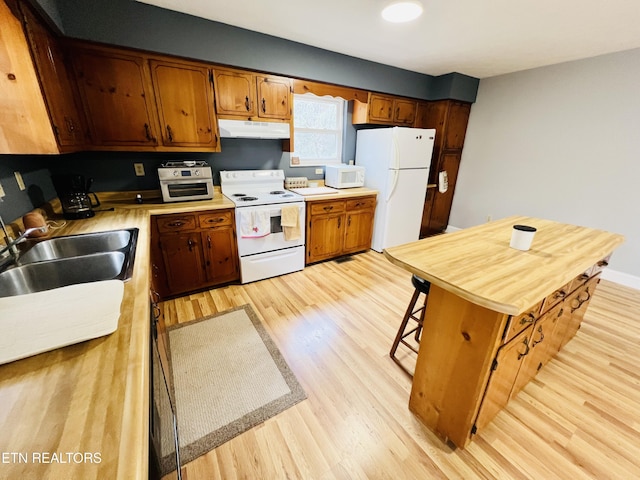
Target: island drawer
column 556, row 297
column 517, row 323
column 175, row 223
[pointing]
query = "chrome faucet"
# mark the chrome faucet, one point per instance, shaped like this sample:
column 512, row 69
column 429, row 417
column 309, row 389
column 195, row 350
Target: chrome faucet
column 10, row 244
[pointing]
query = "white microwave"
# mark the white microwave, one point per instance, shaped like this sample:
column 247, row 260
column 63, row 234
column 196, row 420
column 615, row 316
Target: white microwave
column 343, row 176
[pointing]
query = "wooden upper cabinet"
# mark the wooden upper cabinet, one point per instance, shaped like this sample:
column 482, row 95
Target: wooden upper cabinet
column 449, row 118
column 61, row 97
column 184, row 98
column 117, row 97
column 235, row 92
column 25, row 127
column 245, row 94
column 380, row 109
column 385, row 110
column 274, row 97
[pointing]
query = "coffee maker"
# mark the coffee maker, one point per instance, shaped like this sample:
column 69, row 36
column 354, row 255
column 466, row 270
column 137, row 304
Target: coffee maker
column 74, row 192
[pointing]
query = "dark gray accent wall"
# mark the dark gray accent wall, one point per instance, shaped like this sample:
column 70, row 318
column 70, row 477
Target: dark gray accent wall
column 137, row 25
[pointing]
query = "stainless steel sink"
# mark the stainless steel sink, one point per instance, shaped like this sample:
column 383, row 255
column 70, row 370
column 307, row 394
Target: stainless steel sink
column 47, row 275
column 71, row 260
column 78, row 245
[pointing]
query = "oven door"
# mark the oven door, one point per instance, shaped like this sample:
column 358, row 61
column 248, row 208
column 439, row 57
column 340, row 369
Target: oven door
column 180, row 190
column 274, row 240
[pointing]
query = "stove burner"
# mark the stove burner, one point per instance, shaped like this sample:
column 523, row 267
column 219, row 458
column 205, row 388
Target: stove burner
column 276, row 192
column 247, row 199
column 288, row 195
column 239, row 195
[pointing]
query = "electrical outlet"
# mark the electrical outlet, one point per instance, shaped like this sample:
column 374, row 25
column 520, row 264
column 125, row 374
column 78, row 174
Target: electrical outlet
column 139, row 168
column 18, row 176
column 488, row 218
column 319, row 171
column 2, row 194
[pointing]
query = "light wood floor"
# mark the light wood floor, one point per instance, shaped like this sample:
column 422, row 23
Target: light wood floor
column 334, row 323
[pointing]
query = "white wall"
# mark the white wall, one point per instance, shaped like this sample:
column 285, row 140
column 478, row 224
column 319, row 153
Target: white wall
column 559, row 142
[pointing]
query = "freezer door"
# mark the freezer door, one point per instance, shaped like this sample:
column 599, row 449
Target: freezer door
column 412, row 147
column 399, row 213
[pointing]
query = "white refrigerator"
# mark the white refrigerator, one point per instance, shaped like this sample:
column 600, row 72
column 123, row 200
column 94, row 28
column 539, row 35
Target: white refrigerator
column 396, row 162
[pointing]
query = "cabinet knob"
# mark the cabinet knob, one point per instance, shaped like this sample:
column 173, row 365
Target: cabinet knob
column 328, row 208
column 264, row 106
column 247, row 105
column 169, row 133
column 530, row 318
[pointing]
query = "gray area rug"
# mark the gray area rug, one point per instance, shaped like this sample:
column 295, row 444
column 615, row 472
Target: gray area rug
column 228, row 377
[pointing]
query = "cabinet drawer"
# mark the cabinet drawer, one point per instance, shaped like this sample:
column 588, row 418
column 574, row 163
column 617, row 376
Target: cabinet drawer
column 517, row 323
column 361, row 203
column 600, row 266
column 216, row 219
column 321, row 208
column 556, row 297
column 175, row 223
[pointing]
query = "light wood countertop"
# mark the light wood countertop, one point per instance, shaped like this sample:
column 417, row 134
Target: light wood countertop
column 342, row 193
column 478, row 265
column 92, row 397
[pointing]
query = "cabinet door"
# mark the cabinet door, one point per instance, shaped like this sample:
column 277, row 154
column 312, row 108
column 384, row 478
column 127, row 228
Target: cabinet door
column 117, row 97
column 537, row 355
column 380, row 109
column 576, row 306
column 66, row 114
column 404, row 112
column 24, row 123
column 274, row 97
column 185, row 104
column 358, row 231
column 235, row 93
column 183, row 261
column 426, row 211
column 449, row 162
column 220, row 255
column 457, row 119
column 503, row 376
column 324, row 237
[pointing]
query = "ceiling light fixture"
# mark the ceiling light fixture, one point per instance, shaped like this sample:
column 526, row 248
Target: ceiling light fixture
column 398, row 12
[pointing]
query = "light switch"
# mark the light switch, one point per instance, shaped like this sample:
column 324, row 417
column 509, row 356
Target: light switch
column 319, row 171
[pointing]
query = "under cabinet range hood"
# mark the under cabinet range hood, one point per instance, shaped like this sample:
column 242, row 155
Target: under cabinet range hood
column 247, row 129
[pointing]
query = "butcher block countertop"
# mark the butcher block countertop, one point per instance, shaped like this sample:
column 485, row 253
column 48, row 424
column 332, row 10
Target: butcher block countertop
column 478, row 265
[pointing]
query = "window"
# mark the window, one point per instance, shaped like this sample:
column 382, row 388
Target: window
column 317, row 130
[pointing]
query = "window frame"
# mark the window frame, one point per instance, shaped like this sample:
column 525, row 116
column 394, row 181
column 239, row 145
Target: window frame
column 296, row 160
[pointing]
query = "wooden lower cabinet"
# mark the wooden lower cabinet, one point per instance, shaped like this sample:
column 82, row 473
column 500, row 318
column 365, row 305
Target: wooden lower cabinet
column 339, row 227
column 519, row 360
column 193, row 251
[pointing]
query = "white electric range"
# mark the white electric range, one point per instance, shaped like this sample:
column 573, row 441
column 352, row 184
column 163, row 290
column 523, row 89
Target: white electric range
column 264, row 250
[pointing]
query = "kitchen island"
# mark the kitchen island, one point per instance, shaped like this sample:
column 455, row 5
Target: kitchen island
column 495, row 315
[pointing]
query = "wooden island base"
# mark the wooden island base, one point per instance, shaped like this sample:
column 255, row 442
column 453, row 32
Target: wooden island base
column 480, row 345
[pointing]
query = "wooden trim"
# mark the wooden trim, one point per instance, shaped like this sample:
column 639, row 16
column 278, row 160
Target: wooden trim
column 323, row 89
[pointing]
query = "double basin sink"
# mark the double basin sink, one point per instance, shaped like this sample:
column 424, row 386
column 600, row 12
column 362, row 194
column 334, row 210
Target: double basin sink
column 70, row 260
column 64, row 291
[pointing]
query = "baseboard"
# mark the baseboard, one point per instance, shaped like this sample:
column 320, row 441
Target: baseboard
column 621, row 278
column 614, row 276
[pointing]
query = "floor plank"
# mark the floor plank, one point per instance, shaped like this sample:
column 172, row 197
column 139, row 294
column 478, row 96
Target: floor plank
column 334, row 324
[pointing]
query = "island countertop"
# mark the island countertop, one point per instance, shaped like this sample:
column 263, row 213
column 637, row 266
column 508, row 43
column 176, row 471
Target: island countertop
column 478, row 265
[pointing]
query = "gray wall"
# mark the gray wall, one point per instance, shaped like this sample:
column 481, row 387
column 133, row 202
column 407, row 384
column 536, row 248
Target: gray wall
column 560, row 142
column 132, row 24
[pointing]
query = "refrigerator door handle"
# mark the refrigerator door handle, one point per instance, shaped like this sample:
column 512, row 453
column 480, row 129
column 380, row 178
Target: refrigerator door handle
column 396, row 152
column 393, row 185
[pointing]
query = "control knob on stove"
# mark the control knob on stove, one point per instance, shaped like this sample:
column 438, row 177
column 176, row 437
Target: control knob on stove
column 175, row 173
column 196, row 172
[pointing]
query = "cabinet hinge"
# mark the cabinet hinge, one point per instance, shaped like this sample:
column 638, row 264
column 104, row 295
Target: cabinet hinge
column 474, row 429
column 494, row 365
